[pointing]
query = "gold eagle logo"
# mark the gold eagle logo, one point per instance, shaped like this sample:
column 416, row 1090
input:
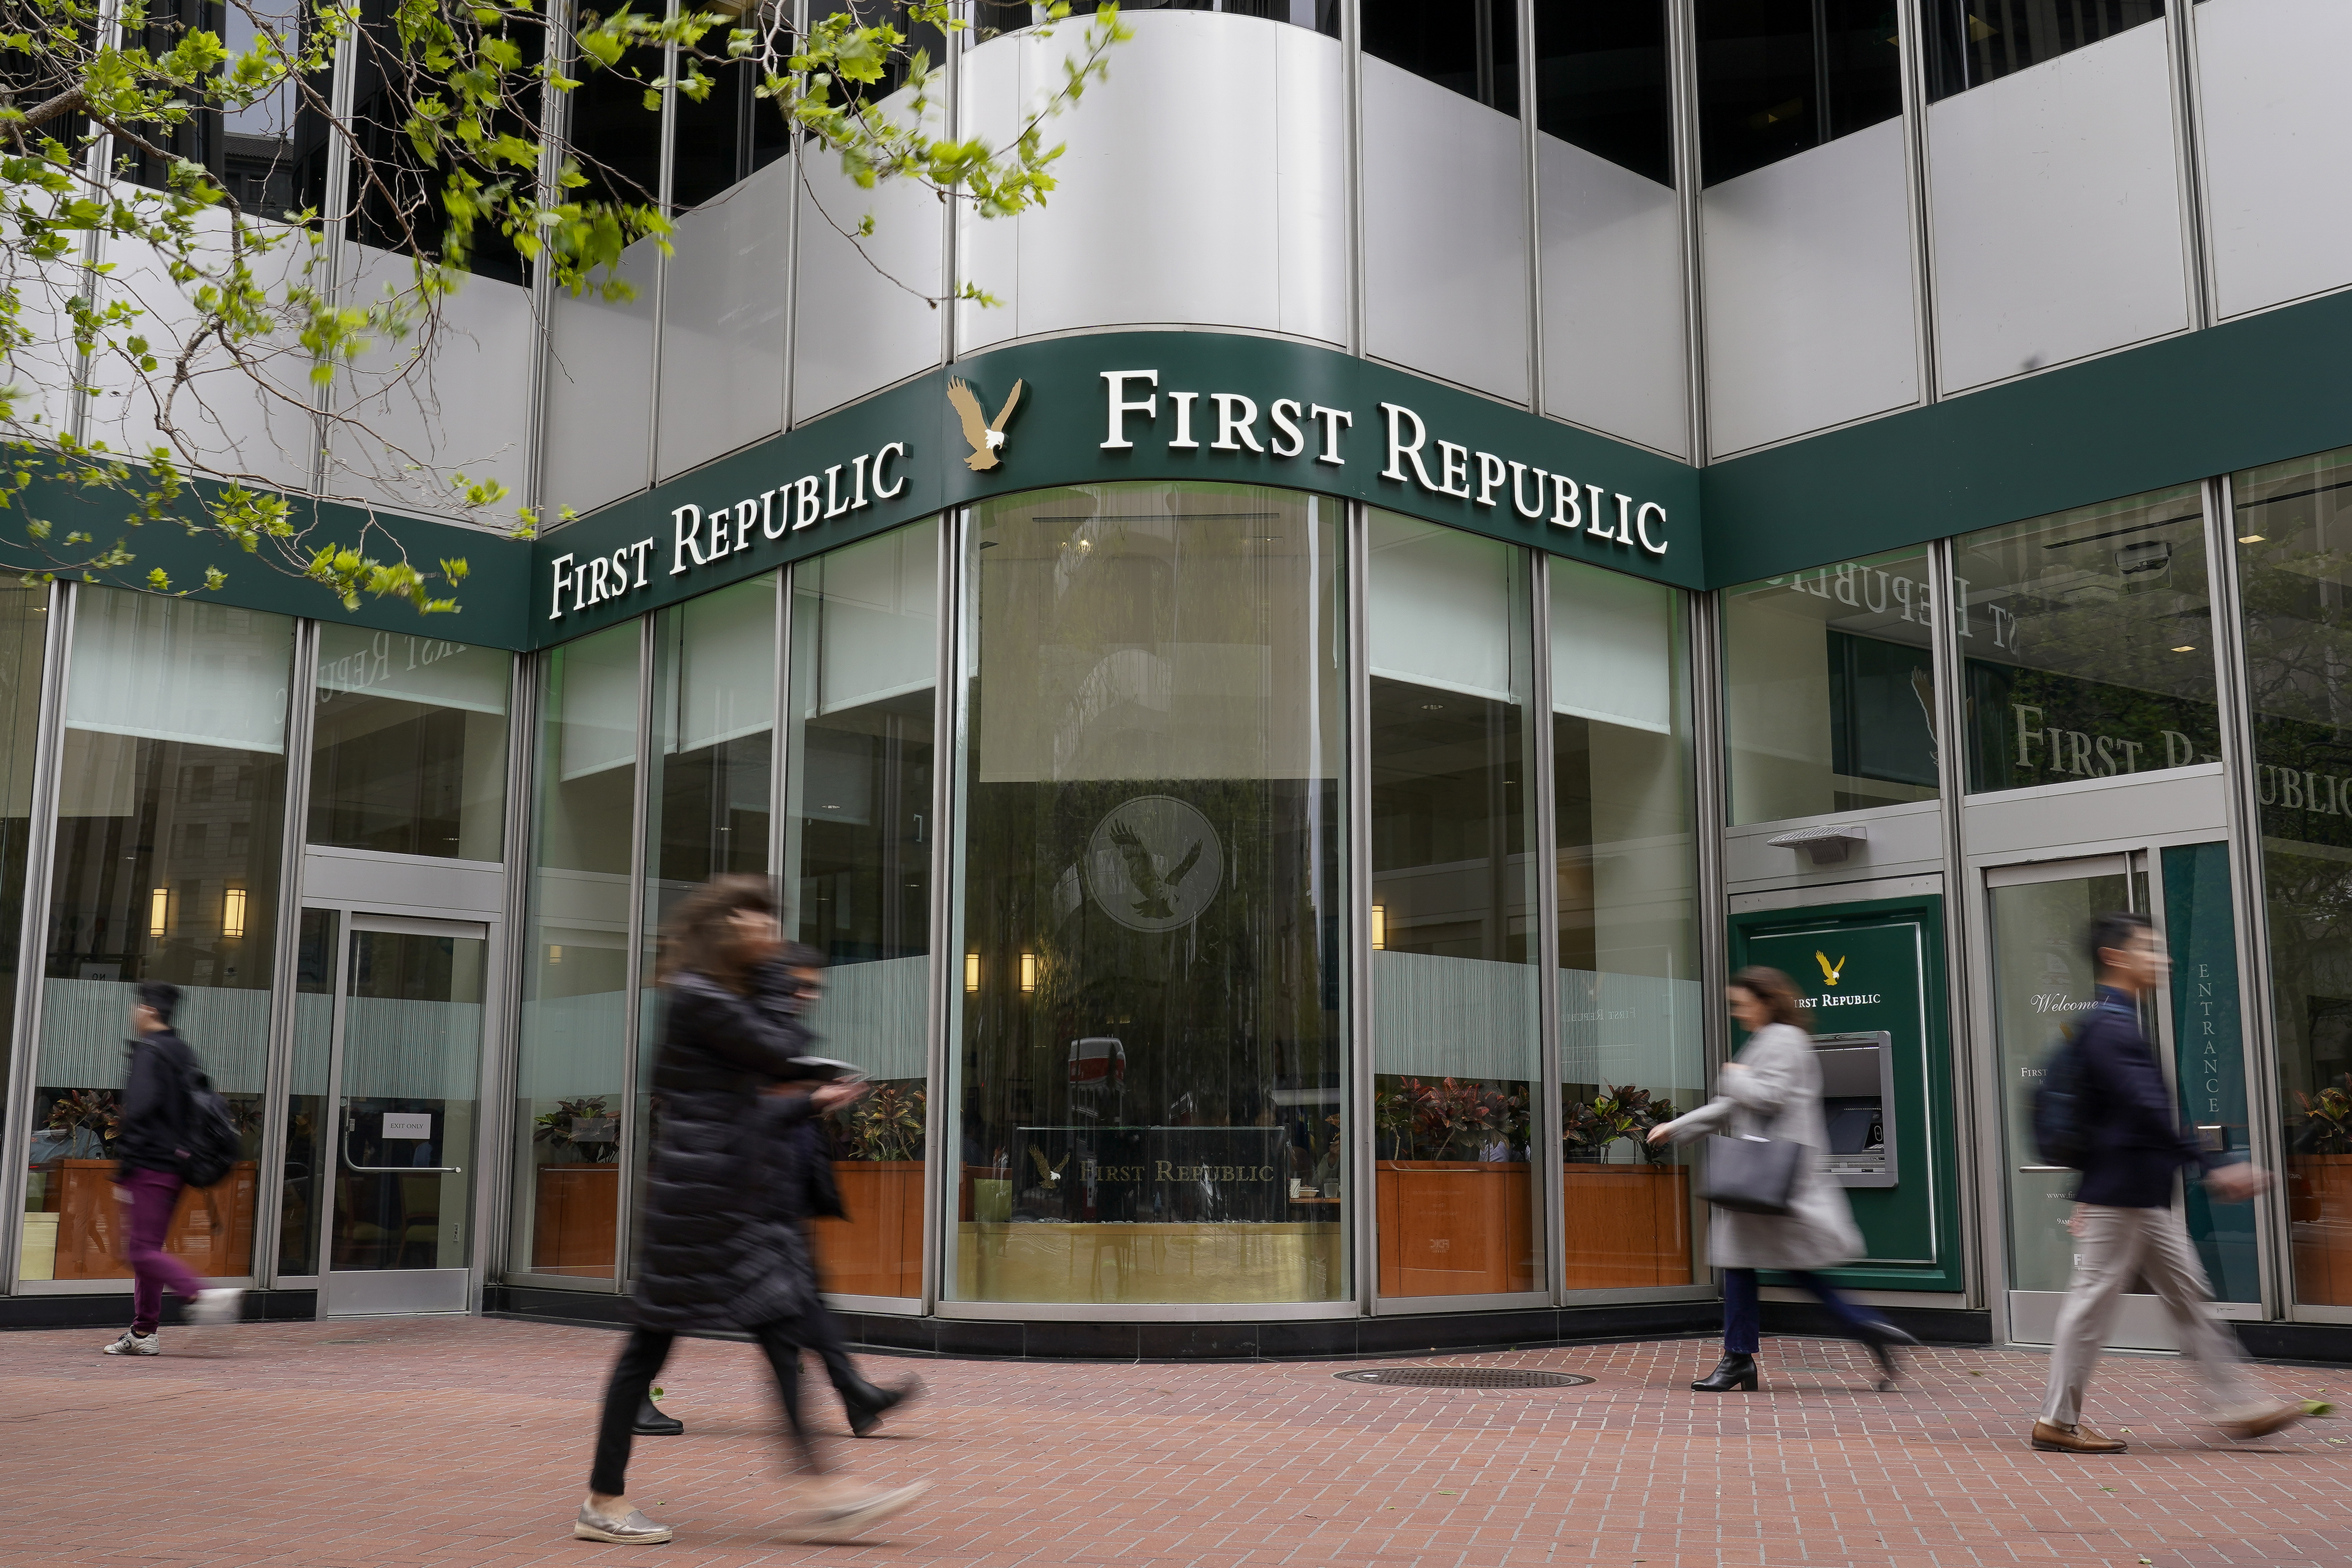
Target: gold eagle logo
column 985, row 440
column 1830, row 972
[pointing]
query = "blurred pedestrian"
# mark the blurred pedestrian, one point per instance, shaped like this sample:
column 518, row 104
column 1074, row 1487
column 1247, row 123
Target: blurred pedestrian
column 1773, row 1091
column 2124, row 1224
column 718, row 1251
column 152, row 1149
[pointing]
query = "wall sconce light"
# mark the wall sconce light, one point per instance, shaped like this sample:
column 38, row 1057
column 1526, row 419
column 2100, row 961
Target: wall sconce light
column 972, row 972
column 158, row 911
column 233, row 913
column 554, row 953
column 1028, row 972
column 1380, row 926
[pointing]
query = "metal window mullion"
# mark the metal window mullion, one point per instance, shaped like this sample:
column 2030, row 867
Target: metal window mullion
column 555, row 145
column 951, row 210
column 32, row 936
column 1544, row 787
column 1682, row 68
column 798, row 174
column 1709, row 811
column 1531, row 190
column 666, row 197
column 1352, row 139
column 1974, row 1131
column 2188, row 143
column 493, row 1226
column 342, row 92
column 633, row 994
column 277, row 1072
column 779, row 795
column 942, row 1155
column 2259, row 1045
column 1909, row 39
column 329, row 1155
column 1357, row 795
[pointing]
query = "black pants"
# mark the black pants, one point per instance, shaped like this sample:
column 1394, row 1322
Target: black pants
column 824, row 1330
column 1743, row 1311
column 641, row 1362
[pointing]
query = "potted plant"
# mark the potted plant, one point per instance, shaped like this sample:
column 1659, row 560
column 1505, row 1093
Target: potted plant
column 1627, row 1222
column 2320, row 1174
column 877, row 1165
column 1454, row 1211
column 210, row 1230
column 575, row 1227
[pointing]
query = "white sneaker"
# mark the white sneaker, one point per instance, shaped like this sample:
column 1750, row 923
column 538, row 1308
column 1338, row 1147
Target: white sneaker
column 135, row 1344
column 846, row 1521
column 214, row 1306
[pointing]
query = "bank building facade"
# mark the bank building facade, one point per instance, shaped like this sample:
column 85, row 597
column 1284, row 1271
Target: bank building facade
column 1467, row 525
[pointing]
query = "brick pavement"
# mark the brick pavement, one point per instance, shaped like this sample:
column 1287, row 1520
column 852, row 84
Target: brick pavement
column 388, row 1443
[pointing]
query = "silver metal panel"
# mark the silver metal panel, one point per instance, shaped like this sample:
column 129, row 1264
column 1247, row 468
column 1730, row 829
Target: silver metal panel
column 1611, row 297
column 397, row 883
column 856, row 328
column 2091, row 812
column 464, row 407
column 357, row 1294
column 1238, row 222
column 1810, row 313
column 1835, row 893
column 2054, row 212
column 600, row 390
column 1445, row 280
column 2277, row 147
column 723, row 341
column 1903, row 840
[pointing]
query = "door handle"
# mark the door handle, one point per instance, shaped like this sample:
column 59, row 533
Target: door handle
column 343, row 1147
column 2042, row 1170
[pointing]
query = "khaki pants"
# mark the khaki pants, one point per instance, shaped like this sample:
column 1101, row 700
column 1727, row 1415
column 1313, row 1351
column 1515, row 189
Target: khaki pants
column 2113, row 1245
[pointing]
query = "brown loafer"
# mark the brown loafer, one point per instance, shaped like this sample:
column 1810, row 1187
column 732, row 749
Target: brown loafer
column 2262, row 1421
column 2052, row 1438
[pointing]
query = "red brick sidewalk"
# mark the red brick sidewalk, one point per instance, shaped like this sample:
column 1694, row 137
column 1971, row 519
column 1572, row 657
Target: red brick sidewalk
column 422, row 1441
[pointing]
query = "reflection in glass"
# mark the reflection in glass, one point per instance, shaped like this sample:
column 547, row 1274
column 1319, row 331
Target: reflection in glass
column 566, row 1207
column 1829, row 689
column 858, row 858
column 2042, row 986
column 1626, row 884
column 2292, row 527
column 170, row 806
column 1454, row 1023
column 1149, row 1049
column 24, row 629
column 1469, row 47
column 404, row 1137
column 2087, row 642
column 303, row 1184
column 1600, row 83
column 1778, row 77
column 408, row 747
column 1971, row 42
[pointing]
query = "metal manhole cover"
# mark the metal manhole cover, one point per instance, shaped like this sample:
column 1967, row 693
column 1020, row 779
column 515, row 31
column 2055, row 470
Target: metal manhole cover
column 1462, row 1377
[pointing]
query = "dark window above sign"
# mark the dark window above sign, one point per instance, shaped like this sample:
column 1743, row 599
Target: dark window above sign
column 1776, row 78
column 1972, row 42
column 993, row 17
column 1469, row 46
column 1602, row 84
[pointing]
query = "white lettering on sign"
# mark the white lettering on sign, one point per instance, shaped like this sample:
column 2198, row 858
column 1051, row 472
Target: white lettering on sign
column 702, row 538
column 408, row 1124
column 1133, row 398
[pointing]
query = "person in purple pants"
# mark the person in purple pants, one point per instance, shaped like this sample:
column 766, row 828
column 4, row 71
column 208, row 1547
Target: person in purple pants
column 149, row 1149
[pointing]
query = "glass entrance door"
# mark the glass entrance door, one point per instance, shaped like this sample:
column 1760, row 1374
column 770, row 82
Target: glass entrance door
column 2042, row 986
column 399, row 1135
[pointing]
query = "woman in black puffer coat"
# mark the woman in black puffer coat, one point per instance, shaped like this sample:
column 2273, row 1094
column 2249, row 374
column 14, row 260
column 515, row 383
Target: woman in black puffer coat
column 719, row 1250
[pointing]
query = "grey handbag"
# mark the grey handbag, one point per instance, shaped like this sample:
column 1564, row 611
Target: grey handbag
column 1752, row 1175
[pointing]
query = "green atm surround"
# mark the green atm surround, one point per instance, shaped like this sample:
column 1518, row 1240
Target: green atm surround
column 1893, row 949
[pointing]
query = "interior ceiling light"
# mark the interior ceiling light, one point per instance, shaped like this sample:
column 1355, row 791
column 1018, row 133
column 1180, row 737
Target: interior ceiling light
column 2186, row 647
column 2250, row 539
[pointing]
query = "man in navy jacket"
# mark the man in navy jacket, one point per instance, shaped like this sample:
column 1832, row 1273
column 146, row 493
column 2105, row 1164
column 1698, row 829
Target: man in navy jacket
column 2124, row 1224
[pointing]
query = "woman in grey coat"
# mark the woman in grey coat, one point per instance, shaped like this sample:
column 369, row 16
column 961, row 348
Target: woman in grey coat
column 1774, row 1090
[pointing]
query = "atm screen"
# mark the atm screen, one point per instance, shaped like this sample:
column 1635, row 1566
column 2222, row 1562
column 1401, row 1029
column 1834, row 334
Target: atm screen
column 1854, row 1105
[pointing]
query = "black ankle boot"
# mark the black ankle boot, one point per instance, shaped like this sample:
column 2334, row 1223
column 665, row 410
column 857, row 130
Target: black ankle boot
column 867, row 1402
column 1882, row 1339
column 652, row 1423
column 1734, row 1371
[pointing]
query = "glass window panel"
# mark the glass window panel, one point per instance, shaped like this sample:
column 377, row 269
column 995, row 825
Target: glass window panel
column 1972, row 42
column 858, row 856
column 1778, row 77
column 1150, row 1052
column 2087, row 643
column 23, row 630
column 1455, row 1036
column 993, row 17
column 408, row 745
column 1626, row 882
column 170, row 808
column 1469, row 47
column 304, row 1181
column 576, row 971
column 1829, row 689
column 1601, row 82
column 2293, row 528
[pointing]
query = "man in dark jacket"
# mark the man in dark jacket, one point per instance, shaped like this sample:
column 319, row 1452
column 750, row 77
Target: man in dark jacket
column 149, row 1149
column 2124, row 1224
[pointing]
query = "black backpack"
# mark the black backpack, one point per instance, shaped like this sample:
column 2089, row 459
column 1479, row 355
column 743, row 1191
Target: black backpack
column 212, row 1144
